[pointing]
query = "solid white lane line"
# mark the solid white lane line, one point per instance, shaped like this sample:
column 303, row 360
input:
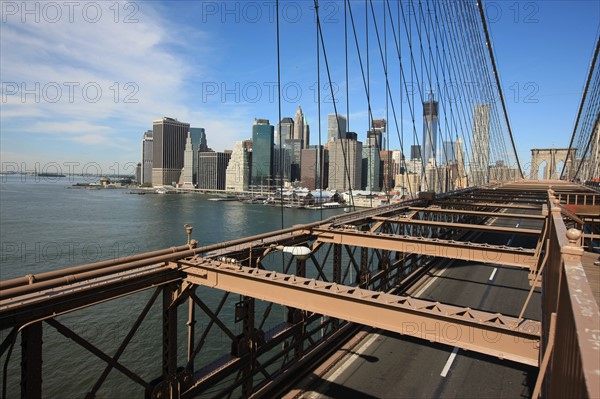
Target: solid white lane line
column 352, row 358
column 449, row 362
column 426, row 286
column 493, row 274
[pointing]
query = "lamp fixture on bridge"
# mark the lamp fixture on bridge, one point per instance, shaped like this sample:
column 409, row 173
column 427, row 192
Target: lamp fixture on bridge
column 301, row 253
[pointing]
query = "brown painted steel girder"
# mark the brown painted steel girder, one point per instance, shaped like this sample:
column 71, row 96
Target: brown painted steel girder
column 479, row 213
column 457, row 203
column 484, row 253
column 493, row 334
column 49, row 303
column 477, row 227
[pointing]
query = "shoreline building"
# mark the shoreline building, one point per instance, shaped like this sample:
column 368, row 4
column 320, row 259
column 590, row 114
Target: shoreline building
column 314, row 167
column 187, row 175
column 237, row 175
column 262, row 153
column 345, row 163
column 169, row 137
column 214, row 168
column 146, row 168
column 199, row 144
column 282, row 166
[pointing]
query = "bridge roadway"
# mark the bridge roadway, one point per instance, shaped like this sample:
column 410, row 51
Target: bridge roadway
column 388, row 365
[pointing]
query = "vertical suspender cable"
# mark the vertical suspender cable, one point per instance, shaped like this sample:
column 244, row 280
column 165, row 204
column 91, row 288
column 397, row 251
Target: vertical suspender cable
column 493, row 60
column 583, row 98
column 320, row 151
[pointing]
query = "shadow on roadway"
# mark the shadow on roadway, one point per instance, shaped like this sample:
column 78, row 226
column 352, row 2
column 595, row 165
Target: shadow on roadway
column 334, row 390
column 368, row 358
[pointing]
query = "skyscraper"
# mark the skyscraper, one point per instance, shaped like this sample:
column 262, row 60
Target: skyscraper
column 238, row 170
column 461, row 177
column 262, row 153
column 282, row 164
column 199, row 139
column 371, row 162
column 146, row 170
column 345, row 158
column 285, row 131
column 480, row 158
column 335, row 130
column 374, row 139
column 291, row 139
column 430, row 130
column 449, row 152
column 312, row 165
column 415, row 152
column 199, row 144
column 306, row 134
column 188, row 163
column 169, row 136
column 138, row 172
column 379, row 126
column 214, row 168
column 301, row 131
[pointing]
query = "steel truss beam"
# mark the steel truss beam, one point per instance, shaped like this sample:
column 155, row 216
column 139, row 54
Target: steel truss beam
column 67, row 332
column 460, row 204
column 477, row 227
column 484, row 253
column 50, row 303
column 478, row 213
column 504, row 197
column 488, row 333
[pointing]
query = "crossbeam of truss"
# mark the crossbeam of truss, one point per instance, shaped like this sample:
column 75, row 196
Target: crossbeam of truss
column 464, row 226
column 478, row 213
column 469, row 251
column 489, row 333
column 496, row 205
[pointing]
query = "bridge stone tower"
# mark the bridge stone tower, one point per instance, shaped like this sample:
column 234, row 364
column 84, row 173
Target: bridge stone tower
column 552, row 157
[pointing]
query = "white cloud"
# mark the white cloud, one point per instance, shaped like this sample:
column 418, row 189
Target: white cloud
column 89, row 83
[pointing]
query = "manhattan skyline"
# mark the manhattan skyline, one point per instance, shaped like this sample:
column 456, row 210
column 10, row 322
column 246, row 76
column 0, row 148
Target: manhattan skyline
column 191, row 56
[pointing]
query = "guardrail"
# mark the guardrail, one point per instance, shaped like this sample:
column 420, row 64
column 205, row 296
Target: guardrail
column 570, row 350
column 579, row 198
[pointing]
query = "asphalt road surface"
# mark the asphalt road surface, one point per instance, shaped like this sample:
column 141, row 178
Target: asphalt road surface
column 388, row 365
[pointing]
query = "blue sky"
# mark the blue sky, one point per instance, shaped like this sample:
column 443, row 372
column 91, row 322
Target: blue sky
column 96, row 74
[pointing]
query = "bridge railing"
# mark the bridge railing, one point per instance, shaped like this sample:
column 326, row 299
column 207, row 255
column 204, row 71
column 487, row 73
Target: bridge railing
column 579, row 198
column 571, row 338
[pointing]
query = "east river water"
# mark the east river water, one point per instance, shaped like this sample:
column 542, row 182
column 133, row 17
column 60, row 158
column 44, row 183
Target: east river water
column 46, row 225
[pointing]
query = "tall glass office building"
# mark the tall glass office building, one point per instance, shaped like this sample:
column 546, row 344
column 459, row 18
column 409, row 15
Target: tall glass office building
column 430, row 130
column 262, row 152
